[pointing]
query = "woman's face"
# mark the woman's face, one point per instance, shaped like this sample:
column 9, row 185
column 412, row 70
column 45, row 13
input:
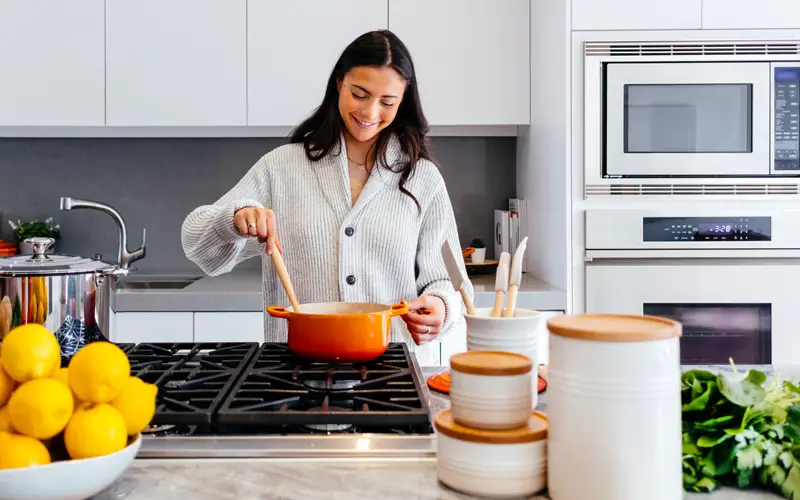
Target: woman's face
column 368, row 100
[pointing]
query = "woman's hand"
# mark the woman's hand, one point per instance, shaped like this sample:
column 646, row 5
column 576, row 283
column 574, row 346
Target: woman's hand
column 260, row 222
column 424, row 318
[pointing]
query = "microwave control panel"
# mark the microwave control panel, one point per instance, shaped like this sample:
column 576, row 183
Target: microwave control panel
column 786, row 138
column 661, row 229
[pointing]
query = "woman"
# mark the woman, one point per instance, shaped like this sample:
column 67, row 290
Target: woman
column 361, row 210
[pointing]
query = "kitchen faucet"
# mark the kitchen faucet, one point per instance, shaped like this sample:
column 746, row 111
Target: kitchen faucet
column 125, row 257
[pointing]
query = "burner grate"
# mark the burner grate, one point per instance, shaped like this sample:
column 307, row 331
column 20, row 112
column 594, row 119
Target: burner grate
column 192, row 379
column 278, row 388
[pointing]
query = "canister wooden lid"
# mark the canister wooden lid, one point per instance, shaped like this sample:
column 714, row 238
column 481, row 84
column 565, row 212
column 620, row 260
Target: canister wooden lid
column 536, row 430
column 492, row 363
column 614, row 327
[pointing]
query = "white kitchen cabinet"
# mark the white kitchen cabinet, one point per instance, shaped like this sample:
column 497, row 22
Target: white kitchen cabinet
column 51, row 63
column 750, row 14
column 472, row 58
column 636, row 14
column 292, row 47
column 176, row 62
column 455, row 344
column 138, row 327
column 229, row 327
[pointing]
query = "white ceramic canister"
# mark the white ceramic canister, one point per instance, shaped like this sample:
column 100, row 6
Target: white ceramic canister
column 490, row 389
column 492, row 464
column 517, row 334
column 614, row 408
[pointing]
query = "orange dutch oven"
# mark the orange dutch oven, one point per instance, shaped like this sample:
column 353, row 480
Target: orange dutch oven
column 339, row 332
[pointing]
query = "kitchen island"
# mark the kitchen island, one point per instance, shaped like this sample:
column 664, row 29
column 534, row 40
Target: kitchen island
column 308, row 479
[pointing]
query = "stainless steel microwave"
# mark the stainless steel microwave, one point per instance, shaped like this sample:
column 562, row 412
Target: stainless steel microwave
column 675, row 113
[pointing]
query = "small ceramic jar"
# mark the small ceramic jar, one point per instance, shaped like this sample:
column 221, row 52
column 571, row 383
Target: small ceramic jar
column 495, row 464
column 614, row 407
column 491, row 389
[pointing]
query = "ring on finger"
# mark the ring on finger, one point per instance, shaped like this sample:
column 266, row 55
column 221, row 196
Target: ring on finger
column 428, row 331
column 251, row 224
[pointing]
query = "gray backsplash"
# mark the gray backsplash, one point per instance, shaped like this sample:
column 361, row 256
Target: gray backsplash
column 155, row 183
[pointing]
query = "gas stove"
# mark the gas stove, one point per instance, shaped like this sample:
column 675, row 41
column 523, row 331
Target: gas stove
column 237, row 400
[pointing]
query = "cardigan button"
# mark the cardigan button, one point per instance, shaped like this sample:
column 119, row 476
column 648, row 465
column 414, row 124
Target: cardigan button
column 349, row 231
column 351, row 280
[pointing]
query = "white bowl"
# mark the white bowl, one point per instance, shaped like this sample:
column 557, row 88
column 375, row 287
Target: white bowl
column 67, row 480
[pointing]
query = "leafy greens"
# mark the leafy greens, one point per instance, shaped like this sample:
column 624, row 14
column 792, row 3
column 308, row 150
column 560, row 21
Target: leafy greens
column 739, row 430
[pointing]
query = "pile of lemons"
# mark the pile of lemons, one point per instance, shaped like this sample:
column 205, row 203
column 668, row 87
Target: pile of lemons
column 89, row 409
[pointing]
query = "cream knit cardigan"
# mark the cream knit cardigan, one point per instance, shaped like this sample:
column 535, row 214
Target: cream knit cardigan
column 382, row 249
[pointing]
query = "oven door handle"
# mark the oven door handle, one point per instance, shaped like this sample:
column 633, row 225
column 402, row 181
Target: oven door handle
column 594, row 255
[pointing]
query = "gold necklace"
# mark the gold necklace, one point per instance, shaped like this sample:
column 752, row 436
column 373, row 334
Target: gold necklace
column 362, row 164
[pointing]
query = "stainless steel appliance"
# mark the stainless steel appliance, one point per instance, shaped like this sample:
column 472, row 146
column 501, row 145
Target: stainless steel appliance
column 731, row 276
column 697, row 111
column 67, row 294
column 240, row 400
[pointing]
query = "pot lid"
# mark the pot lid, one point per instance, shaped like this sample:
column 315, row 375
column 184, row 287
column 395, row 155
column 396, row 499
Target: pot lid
column 535, row 430
column 41, row 263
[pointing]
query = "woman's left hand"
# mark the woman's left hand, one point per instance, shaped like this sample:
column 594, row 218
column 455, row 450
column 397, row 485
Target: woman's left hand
column 424, row 318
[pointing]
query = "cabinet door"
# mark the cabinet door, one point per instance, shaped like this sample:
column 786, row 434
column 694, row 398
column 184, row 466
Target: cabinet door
column 176, row 62
column 51, row 63
column 635, row 14
column 750, row 14
column 292, row 47
column 138, row 327
column 229, row 327
column 472, row 58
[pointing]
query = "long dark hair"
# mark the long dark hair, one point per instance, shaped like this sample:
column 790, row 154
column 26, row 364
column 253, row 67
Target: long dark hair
column 321, row 132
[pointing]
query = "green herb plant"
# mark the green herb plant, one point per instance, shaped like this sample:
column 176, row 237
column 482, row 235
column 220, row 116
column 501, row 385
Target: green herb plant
column 477, row 243
column 35, row 228
column 740, row 431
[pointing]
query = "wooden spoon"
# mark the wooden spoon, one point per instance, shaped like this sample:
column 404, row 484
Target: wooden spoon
column 283, row 274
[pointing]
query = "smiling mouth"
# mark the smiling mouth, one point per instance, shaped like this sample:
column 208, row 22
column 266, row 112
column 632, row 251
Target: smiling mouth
column 364, row 124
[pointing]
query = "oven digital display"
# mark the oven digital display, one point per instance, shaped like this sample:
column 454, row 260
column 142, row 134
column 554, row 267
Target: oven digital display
column 661, row 229
column 786, row 100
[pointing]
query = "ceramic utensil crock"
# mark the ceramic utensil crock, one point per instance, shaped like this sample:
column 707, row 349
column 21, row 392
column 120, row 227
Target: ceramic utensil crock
column 614, row 408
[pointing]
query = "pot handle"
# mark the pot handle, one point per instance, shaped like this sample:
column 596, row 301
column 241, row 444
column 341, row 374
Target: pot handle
column 398, row 309
column 278, row 312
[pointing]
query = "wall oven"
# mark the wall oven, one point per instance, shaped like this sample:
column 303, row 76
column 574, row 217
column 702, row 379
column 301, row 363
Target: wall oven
column 731, row 277
column 663, row 111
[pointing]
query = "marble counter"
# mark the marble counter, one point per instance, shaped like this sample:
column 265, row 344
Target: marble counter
column 306, row 480
column 290, row 479
column 240, row 291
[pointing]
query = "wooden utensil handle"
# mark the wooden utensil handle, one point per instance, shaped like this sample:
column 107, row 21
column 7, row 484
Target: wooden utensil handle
column 467, row 302
column 283, row 274
column 498, row 303
column 512, row 301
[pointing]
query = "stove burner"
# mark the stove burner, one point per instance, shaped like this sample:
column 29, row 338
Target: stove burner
column 192, row 379
column 327, row 384
column 329, row 428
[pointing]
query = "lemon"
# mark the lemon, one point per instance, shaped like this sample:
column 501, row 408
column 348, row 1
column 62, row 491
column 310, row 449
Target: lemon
column 98, row 372
column 18, row 451
column 95, row 431
column 137, row 404
column 41, row 408
column 5, row 420
column 6, row 386
column 62, row 375
column 29, row 352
